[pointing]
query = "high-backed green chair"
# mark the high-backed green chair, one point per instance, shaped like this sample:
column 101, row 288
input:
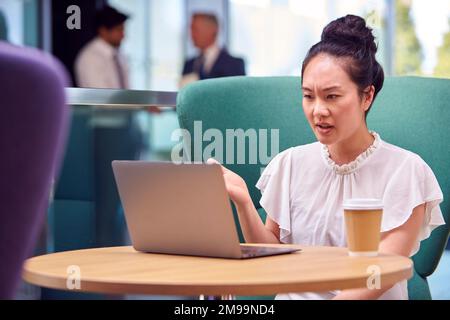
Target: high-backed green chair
column 410, row 112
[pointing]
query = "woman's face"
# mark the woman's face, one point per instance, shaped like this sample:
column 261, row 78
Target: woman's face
column 331, row 102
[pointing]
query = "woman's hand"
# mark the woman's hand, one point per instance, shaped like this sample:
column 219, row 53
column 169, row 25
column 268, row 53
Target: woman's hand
column 252, row 226
column 235, row 185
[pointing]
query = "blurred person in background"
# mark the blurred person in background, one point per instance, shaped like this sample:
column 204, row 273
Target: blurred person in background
column 99, row 63
column 117, row 133
column 212, row 61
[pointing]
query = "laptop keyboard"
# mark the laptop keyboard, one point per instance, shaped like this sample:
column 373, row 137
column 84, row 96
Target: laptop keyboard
column 254, row 251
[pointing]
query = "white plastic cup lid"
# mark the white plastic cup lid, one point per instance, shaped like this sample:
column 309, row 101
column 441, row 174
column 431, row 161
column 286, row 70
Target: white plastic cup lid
column 362, row 204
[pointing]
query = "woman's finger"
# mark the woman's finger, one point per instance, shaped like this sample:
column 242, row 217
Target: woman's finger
column 214, row 161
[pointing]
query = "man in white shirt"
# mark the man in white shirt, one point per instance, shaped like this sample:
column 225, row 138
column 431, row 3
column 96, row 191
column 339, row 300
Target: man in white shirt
column 99, row 63
column 116, row 133
column 213, row 61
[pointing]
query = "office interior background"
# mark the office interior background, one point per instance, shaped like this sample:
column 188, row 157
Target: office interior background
column 272, row 36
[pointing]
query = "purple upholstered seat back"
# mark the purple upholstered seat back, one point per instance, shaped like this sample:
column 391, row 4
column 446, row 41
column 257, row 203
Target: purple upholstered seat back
column 33, row 126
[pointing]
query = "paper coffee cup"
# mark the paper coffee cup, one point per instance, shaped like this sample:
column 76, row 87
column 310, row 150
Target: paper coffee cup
column 363, row 225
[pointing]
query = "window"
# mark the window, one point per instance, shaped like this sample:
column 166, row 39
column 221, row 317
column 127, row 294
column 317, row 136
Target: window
column 19, row 22
column 422, row 38
column 274, row 35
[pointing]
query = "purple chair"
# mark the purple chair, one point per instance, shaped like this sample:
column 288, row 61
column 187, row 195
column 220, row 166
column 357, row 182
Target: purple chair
column 33, row 126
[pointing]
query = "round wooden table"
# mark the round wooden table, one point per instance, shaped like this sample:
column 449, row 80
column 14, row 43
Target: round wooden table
column 122, row 270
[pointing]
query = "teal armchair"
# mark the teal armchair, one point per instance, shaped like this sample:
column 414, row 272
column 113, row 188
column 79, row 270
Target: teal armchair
column 410, row 112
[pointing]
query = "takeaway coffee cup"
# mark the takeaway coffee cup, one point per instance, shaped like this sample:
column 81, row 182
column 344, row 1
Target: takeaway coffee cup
column 363, row 226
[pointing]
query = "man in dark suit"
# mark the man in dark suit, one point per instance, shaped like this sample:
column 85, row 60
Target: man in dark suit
column 212, row 62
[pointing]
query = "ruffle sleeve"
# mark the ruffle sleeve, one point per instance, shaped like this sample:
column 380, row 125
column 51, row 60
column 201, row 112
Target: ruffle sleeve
column 411, row 185
column 274, row 184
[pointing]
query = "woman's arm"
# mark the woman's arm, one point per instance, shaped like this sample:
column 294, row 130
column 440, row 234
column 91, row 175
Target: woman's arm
column 398, row 241
column 253, row 228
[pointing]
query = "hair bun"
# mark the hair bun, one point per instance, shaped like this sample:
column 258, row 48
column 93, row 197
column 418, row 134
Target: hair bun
column 351, row 31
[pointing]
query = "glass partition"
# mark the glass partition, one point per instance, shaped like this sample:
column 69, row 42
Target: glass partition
column 106, row 125
column 85, row 210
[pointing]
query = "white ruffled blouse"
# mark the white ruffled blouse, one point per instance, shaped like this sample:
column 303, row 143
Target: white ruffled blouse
column 303, row 190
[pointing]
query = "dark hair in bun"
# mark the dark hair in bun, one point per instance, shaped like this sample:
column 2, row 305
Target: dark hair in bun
column 350, row 38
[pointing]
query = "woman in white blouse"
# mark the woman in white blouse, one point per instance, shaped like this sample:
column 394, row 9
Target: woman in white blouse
column 303, row 188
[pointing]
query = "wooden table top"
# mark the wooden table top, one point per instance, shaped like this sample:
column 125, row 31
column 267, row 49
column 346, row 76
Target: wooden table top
column 122, row 270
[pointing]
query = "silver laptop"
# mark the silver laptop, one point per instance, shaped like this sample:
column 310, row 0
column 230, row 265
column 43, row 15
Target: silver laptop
column 181, row 209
